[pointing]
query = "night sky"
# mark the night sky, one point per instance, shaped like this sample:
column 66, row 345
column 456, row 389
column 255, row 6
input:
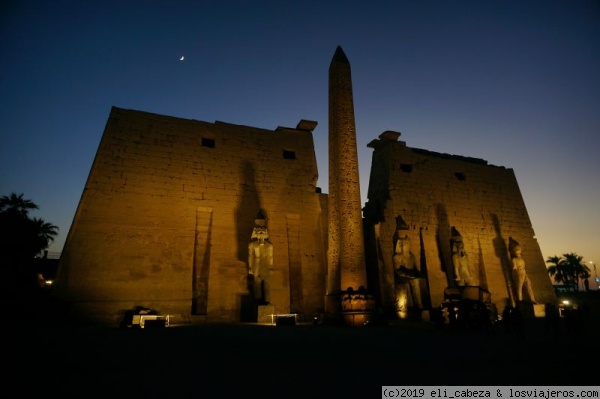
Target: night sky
column 516, row 83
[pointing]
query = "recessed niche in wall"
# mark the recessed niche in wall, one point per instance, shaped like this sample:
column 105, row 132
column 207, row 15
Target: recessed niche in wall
column 207, row 142
column 288, row 154
column 460, row 176
column 405, row 167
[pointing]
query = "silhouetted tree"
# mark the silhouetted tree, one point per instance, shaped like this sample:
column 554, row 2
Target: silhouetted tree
column 22, row 237
column 577, row 268
column 44, row 232
column 568, row 270
column 16, row 204
column 557, row 270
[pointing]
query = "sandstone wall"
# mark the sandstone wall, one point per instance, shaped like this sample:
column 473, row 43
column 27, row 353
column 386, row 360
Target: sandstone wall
column 167, row 213
column 433, row 192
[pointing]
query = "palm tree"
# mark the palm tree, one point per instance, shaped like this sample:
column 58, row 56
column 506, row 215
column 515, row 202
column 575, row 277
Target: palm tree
column 557, row 270
column 22, row 237
column 16, row 204
column 576, row 267
column 44, row 234
column 585, row 276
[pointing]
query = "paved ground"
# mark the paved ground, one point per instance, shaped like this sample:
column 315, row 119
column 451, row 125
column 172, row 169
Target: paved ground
column 303, row 361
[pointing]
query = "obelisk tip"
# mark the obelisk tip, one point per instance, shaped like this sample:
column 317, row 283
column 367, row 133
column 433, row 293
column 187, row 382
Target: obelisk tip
column 340, row 56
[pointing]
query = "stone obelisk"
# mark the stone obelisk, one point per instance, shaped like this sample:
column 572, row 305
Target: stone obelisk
column 346, row 249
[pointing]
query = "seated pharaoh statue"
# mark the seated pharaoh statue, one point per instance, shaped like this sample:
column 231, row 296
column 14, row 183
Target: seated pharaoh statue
column 260, row 261
column 460, row 260
column 407, row 278
column 467, row 280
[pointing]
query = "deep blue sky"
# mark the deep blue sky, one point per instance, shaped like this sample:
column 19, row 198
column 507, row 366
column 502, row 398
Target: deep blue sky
column 516, row 83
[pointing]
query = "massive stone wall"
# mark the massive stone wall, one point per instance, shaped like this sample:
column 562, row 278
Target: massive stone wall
column 432, row 192
column 168, row 210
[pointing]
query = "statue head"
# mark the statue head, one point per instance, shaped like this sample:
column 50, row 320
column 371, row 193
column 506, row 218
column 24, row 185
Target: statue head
column 400, row 224
column 514, row 247
column 456, row 241
column 260, row 233
column 402, row 245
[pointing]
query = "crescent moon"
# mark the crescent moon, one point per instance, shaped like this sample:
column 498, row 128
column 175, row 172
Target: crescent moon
column 182, row 57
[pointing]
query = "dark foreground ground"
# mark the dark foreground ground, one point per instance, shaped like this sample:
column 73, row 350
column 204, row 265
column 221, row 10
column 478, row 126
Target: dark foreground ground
column 302, row 361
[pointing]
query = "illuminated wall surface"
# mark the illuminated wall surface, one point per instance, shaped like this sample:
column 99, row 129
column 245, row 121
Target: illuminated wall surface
column 432, row 192
column 167, row 212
